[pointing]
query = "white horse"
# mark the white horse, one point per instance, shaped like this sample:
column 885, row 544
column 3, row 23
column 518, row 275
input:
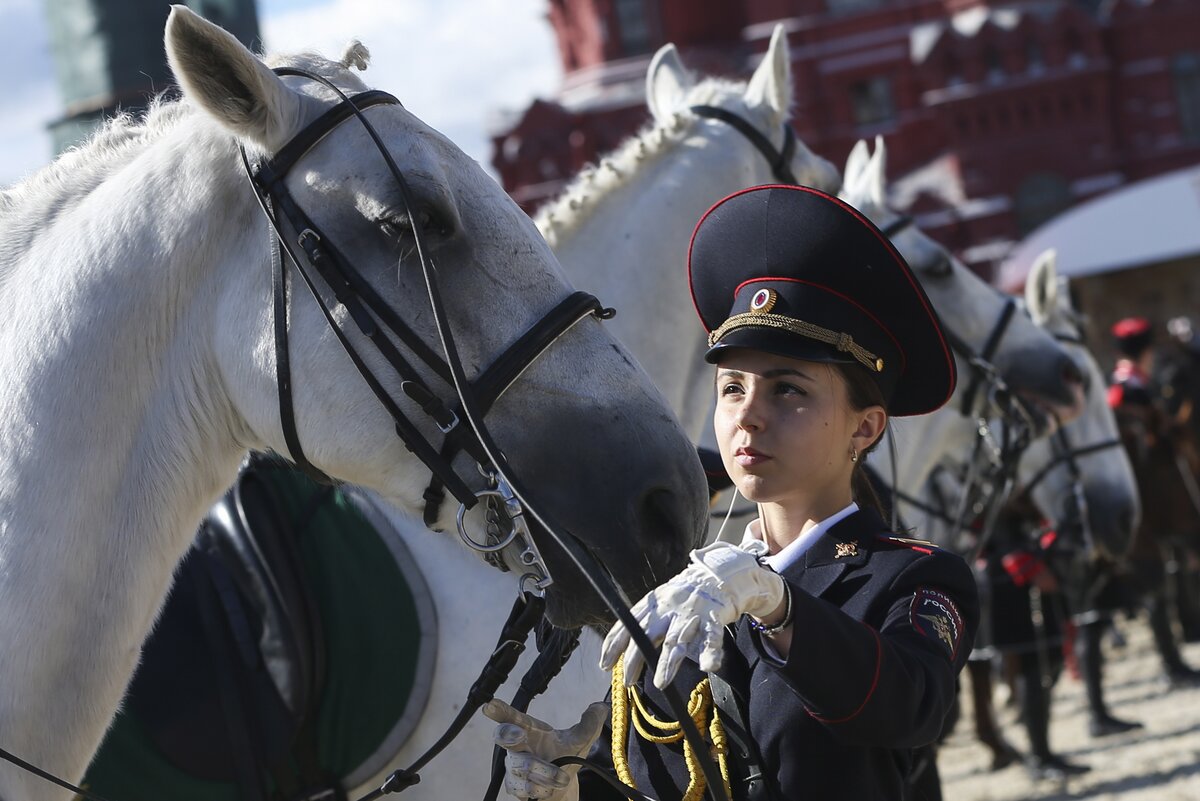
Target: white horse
column 621, row 229
column 1031, row 363
column 136, row 367
column 1086, row 454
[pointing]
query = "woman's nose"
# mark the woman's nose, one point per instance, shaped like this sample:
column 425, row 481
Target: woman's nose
column 748, row 415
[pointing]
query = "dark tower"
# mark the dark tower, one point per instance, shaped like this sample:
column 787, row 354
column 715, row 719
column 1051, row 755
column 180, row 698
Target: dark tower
column 109, row 57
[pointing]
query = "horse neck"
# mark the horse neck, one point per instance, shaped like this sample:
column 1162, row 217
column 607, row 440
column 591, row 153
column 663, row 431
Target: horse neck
column 627, row 244
column 922, row 443
column 114, row 438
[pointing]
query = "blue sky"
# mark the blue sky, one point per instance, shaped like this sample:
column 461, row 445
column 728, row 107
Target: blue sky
column 454, row 63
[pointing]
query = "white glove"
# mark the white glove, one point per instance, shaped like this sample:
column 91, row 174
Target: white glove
column 689, row 613
column 532, row 746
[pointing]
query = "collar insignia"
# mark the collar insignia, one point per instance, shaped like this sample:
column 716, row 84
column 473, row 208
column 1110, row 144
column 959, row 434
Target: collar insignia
column 845, row 549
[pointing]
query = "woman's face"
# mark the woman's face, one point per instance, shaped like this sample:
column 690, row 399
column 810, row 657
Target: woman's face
column 785, row 429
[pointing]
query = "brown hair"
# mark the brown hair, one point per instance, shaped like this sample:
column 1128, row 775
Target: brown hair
column 862, row 392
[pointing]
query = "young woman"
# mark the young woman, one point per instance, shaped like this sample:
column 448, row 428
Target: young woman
column 823, row 650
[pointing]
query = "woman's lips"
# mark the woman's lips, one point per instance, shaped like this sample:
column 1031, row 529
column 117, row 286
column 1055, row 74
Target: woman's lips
column 749, row 457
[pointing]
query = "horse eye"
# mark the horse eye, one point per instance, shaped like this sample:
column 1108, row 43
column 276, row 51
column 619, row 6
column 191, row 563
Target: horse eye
column 400, row 226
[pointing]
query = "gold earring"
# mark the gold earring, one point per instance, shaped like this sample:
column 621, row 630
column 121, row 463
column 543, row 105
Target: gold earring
column 853, row 454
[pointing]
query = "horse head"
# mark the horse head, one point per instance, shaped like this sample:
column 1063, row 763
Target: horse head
column 977, row 318
column 1081, row 476
column 579, row 423
column 621, row 229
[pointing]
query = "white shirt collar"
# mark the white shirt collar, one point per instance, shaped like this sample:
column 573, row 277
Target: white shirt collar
column 795, row 549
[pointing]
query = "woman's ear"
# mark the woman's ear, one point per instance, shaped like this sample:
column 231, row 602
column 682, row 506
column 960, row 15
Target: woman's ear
column 871, row 423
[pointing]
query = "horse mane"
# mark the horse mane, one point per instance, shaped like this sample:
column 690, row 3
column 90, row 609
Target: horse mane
column 33, row 204
column 558, row 218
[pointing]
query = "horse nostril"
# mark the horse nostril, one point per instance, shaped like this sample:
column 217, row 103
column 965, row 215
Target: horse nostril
column 665, row 535
column 1071, row 372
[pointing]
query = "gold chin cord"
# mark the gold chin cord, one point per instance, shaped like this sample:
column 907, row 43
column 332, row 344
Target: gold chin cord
column 628, row 707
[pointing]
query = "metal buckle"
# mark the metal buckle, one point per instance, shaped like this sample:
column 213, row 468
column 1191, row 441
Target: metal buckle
column 537, row 576
column 446, row 429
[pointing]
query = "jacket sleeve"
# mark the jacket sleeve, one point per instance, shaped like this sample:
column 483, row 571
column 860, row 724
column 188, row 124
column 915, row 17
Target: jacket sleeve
column 889, row 686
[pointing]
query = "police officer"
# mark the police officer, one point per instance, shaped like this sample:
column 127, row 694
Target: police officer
column 831, row 642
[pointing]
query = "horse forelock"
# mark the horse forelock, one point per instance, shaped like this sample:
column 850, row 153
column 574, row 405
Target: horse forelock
column 29, row 208
column 558, row 218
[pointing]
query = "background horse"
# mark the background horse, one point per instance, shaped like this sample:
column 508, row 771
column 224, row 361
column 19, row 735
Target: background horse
column 1079, row 479
column 990, row 342
column 1081, row 469
column 136, row 369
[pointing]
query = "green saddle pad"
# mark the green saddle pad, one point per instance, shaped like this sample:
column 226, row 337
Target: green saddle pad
column 379, row 628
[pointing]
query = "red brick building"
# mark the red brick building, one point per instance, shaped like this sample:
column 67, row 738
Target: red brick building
column 997, row 115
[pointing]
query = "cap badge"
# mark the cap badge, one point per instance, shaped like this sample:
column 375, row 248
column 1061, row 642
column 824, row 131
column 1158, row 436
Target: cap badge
column 845, row 549
column 763, row 301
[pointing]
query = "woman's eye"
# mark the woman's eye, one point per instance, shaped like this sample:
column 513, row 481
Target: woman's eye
column 730, row 389
column 789, row 389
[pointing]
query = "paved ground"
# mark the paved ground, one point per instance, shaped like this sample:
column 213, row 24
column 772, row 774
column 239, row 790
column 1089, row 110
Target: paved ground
column 1158, row 763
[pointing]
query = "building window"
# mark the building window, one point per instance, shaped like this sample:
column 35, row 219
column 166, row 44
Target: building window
column 1040, row 197
column 852, row 6
column 1035, row 63
column 871, row 101
column 1185, row 71
column 633, row 27
column 993, row 66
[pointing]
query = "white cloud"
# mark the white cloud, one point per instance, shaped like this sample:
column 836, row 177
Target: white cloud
column 454, row 63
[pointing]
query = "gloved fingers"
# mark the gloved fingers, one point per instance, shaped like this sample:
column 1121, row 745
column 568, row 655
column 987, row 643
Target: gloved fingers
column 501, row 712
column 526, row 776
column 536, row 771
column 615, row 643
column 618, row 639
column 635, row 660
column 712, row 651
column 511, row 737
column 579, row 738
column 676, row 646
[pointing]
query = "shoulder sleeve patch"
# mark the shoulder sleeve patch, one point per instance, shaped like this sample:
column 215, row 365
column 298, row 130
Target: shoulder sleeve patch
column 935, row 616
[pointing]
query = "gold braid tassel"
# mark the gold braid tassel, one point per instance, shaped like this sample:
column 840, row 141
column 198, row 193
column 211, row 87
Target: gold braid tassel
column 629, row 708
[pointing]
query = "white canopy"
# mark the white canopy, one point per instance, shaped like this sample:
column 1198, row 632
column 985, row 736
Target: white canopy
column 1149, row 222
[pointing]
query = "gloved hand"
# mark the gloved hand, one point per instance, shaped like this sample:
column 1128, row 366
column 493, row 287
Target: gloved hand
column 532, row 747
column 688, row 614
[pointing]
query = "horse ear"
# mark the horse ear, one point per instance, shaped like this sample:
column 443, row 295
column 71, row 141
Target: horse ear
column 1041, row 287
column 874, row 174
column 226, row 80
column 771, row 83
column 856, row 165
column 667, row 83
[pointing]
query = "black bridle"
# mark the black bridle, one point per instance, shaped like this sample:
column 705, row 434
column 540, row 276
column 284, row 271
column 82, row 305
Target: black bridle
column 314, row 257
column 1001, row 457
column 780, row 160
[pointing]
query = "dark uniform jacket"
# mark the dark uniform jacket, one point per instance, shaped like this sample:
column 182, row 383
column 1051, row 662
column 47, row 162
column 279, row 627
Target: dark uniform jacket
column 882, row 626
